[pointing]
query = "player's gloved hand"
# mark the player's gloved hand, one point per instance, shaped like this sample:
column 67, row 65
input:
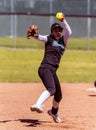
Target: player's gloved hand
column 32, row 31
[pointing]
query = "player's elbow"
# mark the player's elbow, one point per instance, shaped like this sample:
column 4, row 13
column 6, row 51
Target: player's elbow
column 70, row 32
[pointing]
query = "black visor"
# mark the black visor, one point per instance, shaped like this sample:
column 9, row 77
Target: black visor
column 56, row 25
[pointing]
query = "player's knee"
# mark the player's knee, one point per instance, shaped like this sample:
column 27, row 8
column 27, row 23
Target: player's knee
column 52, row 91
column 58, row 98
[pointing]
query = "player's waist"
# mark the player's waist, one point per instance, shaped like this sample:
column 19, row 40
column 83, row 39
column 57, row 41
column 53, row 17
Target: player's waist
column 50, row 66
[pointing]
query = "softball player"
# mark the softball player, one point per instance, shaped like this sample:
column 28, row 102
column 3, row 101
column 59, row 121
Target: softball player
column 55, row 44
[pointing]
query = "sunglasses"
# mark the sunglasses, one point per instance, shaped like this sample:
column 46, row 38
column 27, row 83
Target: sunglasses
column 57, row 30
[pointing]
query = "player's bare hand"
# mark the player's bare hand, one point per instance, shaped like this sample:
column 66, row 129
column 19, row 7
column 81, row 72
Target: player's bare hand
column 60, row 16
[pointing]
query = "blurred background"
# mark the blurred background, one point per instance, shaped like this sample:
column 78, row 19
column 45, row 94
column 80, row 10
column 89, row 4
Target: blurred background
column 17, row 15
column 21, row 57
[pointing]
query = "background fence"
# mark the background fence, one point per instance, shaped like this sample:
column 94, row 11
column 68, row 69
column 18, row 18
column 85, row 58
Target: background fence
column 17, row 15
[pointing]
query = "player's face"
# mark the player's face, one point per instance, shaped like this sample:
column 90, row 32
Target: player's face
column 57, row 33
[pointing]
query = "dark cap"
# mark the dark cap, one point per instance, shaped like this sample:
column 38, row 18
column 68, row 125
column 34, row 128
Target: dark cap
column 56, row 25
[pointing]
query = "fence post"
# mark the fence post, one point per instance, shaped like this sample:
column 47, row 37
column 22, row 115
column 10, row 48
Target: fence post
column 15, row 30
column 12, row 18
column 88, row 25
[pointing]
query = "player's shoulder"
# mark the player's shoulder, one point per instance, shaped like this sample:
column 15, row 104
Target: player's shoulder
column 50, row 38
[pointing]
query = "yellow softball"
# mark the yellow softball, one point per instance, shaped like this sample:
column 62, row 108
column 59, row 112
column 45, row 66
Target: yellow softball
column 59, row 16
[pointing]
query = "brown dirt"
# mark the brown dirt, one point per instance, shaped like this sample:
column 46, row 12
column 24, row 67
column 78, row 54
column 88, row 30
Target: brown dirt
column 77, row 108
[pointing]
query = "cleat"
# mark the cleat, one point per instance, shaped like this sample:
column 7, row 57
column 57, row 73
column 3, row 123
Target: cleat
column 36, row 108
column 55, row 117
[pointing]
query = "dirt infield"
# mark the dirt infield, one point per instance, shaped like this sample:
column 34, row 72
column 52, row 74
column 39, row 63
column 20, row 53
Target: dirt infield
column 77, row 109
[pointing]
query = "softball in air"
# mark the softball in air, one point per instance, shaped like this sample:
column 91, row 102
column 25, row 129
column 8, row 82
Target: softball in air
column 59, row 16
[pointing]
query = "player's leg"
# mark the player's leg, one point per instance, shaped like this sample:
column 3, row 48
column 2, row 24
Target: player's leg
column 56, row 101
column 48, row 81
column 38, row 105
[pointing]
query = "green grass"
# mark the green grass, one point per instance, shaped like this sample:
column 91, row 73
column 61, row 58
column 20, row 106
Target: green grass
column 73, row 44
column 22, row 66
column 81, row 44
column 23, row 43
column 19, row 66
column 78, row 66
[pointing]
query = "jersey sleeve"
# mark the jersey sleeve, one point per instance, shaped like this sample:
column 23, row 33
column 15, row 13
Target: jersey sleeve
column 43, row 38
column 68, row 31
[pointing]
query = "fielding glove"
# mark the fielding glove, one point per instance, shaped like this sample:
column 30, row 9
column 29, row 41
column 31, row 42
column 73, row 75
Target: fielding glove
column 32, row 31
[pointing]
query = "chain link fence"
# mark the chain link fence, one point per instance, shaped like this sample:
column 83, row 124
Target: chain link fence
column 14, row 23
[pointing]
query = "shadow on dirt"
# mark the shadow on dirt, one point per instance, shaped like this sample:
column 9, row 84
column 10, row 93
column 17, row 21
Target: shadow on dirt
column 5, row 121
column 36, row 123
column 29, row 122
column 32, row 122
column 92, row 95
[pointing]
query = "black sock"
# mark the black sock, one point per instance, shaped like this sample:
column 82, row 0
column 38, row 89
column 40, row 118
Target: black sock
column 54, row 110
